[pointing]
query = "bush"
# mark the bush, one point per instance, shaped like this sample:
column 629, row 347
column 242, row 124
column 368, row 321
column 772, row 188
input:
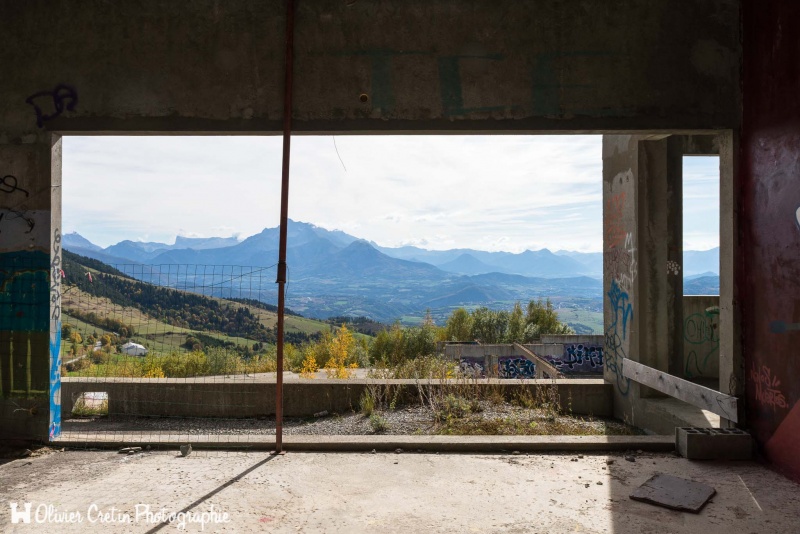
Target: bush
column 100, row 357
column 378, row 423
column 79, row 365
column 178, row 365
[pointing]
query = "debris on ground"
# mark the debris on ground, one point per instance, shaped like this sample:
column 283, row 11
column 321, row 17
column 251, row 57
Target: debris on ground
column 186, row 450
column 130, row 450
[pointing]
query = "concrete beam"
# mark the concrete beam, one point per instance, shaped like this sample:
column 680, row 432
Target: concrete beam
column 468, row 66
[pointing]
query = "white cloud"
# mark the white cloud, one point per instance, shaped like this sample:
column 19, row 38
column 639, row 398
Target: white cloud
column 491, row 192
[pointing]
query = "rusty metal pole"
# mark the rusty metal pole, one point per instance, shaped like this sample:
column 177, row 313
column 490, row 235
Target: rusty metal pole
column 281, row 280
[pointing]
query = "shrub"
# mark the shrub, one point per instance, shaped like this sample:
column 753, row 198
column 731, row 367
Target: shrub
column 367, row 403
column 79, row 365
column 100, row 357
column 177, row 365
column 378, row 423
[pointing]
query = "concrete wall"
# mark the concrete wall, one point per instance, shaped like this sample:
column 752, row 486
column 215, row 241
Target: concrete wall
column 150, row 65
column 238, row 398
column 570, row 355
column 205, row 66
column 701, row 337
column 769, row 205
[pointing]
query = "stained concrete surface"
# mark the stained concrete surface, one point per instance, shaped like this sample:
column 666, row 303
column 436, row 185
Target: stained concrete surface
column 390, row 492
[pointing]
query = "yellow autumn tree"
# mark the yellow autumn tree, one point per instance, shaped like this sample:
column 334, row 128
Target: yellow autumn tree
column 340, row 346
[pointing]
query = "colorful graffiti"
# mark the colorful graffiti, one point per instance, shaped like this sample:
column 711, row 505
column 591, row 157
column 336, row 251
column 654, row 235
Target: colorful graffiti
column 579, row 359
column 617, row 335
column 701, row 329
column 55, row 336
column 767, row 387
column 473, row 367
column 516, row 368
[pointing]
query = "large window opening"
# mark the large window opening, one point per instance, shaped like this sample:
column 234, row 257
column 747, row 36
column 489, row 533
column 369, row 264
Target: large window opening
column 701, row 312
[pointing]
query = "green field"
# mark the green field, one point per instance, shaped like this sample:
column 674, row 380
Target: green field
column 582, row 321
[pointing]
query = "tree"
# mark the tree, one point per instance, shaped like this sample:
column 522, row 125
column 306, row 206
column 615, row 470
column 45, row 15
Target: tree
column 459, row 326
column 542, row 319
column 489, row 326
column 341, row 345
column 515, row 333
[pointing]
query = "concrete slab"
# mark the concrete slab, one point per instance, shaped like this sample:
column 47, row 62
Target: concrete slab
column 675, row 493
column 388, row 492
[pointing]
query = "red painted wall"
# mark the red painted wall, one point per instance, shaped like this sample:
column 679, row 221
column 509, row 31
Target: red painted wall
column 770, row 226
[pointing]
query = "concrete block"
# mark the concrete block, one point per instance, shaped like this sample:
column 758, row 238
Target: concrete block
column 713, row 443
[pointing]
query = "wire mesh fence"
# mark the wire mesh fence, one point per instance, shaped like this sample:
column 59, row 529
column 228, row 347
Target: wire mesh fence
column 161, row 353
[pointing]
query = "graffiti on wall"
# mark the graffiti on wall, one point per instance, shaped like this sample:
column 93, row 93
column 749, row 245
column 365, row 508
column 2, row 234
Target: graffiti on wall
column 702, row 331
column 55, row 336
column 617, row 335
column 615, row 229
column 673, row 267
column 516, row 368
column 621, row 263
column 781, row 327
column 9, row 185
column 768, row 386
column 473, row 367
column 51, row 104
column 579, row 359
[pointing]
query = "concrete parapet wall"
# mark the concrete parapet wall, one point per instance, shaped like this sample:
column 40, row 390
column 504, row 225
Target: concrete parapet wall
column 214, row 397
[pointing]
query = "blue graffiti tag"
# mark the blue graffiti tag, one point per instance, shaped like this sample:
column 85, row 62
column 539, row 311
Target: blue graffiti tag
column 622, row 311
column 579, row 358
column 516, row 368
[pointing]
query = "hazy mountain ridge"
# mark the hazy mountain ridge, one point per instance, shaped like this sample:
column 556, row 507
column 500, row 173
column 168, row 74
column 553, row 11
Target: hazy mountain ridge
column 333, row 273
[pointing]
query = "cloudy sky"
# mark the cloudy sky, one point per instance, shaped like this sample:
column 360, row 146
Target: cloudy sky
column 485, row 192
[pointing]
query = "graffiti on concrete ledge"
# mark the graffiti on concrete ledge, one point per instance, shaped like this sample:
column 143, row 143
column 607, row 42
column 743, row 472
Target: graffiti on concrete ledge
column 51, row 104
column 516, row 368
column 579, row 359
column 472, row 367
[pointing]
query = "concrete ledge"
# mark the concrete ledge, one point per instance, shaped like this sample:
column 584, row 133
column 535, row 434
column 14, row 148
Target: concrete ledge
column 113, row 440
column 242, row 397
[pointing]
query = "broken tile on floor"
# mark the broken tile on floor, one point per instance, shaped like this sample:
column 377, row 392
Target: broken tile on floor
column 674, row 492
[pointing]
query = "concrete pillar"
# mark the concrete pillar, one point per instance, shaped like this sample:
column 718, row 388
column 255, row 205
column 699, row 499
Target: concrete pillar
column 30, row 287
column 642, row 244
column 621, row 315
column 731, row 357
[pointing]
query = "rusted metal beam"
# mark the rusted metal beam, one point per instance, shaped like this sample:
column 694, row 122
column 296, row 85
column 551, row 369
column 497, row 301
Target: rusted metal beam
column 281, row 279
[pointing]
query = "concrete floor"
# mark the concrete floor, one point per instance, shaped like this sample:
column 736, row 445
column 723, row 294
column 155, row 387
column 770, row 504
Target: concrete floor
column 388, row 492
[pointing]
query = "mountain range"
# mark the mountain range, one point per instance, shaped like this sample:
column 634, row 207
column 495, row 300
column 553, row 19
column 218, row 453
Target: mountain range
column 333, row 273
